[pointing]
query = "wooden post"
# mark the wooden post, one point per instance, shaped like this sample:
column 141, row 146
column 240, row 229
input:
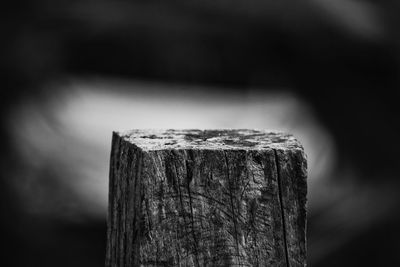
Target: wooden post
column 206, row 198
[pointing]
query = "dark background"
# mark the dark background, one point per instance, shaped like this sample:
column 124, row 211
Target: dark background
column 338, row 59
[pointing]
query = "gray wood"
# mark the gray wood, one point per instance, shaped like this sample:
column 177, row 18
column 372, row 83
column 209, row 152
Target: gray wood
column 206, row 198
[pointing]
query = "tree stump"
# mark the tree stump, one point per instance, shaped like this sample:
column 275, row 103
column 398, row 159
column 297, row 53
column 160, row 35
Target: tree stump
column 206, row 198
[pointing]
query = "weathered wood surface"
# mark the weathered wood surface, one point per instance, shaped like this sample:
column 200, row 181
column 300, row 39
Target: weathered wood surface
column 206, row 198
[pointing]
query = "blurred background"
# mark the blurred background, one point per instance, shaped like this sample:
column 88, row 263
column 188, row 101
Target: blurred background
column 73, row 71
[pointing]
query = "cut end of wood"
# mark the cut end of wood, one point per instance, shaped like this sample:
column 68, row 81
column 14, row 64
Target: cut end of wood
column 227, row 139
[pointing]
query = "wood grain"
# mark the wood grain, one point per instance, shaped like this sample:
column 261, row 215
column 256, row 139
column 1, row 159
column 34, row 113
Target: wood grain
column 206, row 198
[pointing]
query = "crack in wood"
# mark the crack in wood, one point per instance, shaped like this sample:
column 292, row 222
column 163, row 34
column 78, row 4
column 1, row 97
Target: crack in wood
column 278, row 170
column 186, row 232
column 188, row 180
column 230, row 183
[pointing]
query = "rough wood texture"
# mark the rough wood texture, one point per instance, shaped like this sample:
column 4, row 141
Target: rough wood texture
column 206, row 198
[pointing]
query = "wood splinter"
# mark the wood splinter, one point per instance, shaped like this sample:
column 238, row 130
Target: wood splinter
column 206, row 198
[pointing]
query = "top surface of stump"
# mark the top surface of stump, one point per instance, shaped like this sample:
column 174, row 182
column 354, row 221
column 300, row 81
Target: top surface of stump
column 240, row 139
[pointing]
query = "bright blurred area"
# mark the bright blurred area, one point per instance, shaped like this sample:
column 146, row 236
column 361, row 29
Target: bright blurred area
column 70, row 134
column 74, row 71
